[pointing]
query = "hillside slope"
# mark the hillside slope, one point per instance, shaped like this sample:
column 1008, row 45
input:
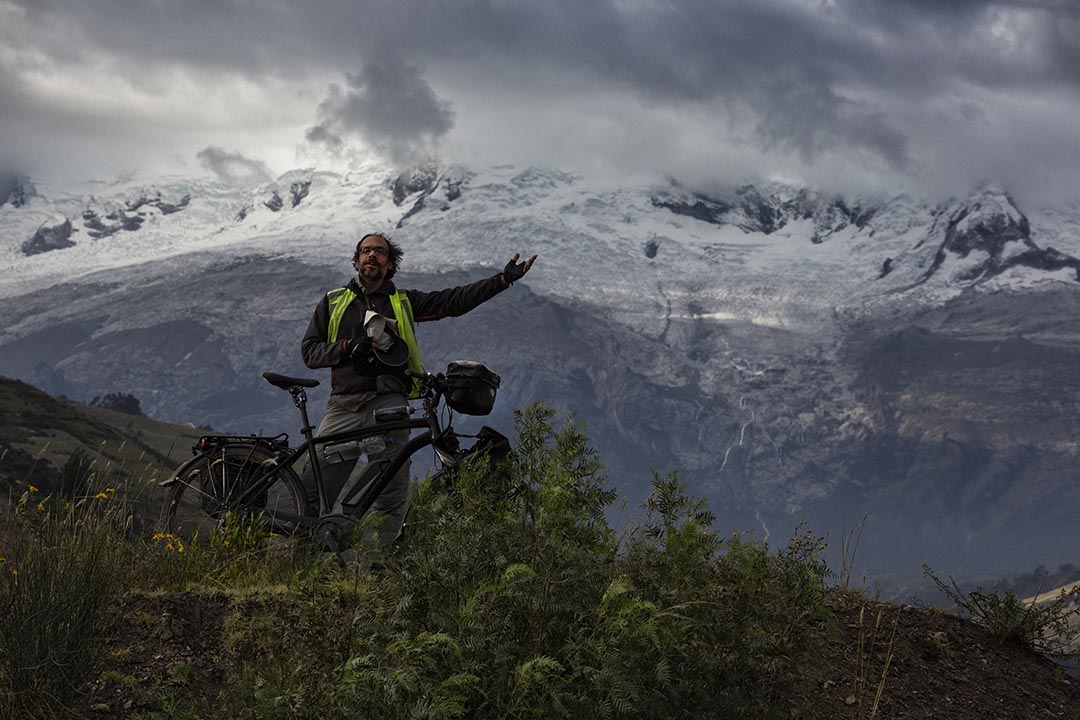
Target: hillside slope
column 507, row 574
column 40, row 433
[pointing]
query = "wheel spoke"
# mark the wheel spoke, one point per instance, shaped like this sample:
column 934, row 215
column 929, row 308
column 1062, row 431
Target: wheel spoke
column 200, row 499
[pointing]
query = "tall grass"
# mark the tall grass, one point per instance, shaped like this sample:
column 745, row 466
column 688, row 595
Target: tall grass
column 61, row 572
column 67, row 556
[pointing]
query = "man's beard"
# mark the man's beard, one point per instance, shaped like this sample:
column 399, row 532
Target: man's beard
column 371, row 273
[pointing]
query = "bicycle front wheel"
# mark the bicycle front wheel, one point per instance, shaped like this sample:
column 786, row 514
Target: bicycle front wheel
column 208, row 495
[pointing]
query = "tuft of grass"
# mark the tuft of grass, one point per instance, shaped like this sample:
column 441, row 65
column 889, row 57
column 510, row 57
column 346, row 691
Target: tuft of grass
column 1044, row 626
column 849, row 546
column 183, row 673
column 121, row 655
column 869, row 682
column 117, row 677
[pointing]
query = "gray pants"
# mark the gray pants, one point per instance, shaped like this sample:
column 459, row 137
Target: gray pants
column 350, row 412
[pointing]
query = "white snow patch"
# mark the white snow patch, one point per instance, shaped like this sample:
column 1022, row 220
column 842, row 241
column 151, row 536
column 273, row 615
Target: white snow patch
column 591, row 238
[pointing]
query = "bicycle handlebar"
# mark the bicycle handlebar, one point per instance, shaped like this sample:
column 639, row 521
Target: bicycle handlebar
column 437, row 381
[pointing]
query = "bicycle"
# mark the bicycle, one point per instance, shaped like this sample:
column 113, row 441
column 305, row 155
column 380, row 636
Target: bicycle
column 252, row 479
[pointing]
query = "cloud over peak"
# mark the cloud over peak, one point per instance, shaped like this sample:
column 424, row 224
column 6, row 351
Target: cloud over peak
column 388, row 105
column 233, row 168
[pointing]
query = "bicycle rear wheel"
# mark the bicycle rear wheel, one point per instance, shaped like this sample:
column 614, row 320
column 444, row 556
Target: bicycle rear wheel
column 209, row 492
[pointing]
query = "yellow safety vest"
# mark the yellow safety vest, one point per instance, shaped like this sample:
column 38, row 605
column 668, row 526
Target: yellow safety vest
column 399, row 301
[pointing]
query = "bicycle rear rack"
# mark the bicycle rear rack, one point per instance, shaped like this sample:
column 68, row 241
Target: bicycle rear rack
column 208, row 443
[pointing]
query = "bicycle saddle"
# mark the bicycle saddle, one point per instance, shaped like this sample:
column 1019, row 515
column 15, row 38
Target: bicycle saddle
column 286, row 383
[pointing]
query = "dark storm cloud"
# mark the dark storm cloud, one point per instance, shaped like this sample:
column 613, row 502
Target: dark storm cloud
column 826, row 120
column 233, row 168
column 968, row 40
column 390, row 105
column 686, row 48
column 868, row 79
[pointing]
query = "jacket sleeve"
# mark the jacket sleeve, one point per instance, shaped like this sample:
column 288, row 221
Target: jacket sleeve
column 316, row 351
column 453, row 302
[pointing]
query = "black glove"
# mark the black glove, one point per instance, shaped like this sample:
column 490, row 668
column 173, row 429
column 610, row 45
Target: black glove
column 515, row 270
column 357, row 348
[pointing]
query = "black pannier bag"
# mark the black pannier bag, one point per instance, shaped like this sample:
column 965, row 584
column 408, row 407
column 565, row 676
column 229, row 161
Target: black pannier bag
column 490, row 444
column 471, row 387
column 493, row 444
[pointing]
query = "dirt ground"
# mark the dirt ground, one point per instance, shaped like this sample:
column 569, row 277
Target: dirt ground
column 158, row 641
column 880, row 661
column 927, row 664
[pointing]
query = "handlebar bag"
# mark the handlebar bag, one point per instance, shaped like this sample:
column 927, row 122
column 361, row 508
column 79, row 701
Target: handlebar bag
column 471, row 387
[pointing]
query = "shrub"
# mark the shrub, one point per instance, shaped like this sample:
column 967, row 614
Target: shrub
column 513, row 598
column 746, row 615
column 1042, row 626
column 120, row 402
column 491, row 590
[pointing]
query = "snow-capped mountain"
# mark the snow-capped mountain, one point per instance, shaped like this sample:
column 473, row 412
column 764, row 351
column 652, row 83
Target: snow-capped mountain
column 722, row 246
column 795, row 354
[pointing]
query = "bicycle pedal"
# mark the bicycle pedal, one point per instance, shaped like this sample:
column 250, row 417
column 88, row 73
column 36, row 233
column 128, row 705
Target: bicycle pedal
column 334, row 532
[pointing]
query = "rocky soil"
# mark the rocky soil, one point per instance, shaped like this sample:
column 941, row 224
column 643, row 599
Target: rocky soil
column 927, row 664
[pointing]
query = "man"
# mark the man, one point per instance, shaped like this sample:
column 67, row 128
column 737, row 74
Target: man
column 367, row 361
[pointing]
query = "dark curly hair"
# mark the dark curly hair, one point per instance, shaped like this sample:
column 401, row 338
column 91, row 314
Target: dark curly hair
column 395, row 252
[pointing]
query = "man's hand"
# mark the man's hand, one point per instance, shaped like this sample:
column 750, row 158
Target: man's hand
column 356, row 348
column 514, row 270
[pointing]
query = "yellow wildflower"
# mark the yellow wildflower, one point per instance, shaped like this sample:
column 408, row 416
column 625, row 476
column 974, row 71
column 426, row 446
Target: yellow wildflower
column 32, row 489
column 41, row 507
column 100, row 496
column 110, row 490
column 14, row 572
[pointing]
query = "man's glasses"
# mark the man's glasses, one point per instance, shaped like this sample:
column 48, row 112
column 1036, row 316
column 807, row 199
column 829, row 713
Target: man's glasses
column 373, row 250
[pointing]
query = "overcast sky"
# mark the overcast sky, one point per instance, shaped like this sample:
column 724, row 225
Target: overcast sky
column 924, row 95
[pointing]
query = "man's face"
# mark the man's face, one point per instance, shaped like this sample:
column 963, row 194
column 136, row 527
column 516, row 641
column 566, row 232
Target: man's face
column 374, row 260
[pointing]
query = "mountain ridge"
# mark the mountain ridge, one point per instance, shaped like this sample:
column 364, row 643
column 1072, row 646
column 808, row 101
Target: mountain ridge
column 231, row 215
column 765, row 366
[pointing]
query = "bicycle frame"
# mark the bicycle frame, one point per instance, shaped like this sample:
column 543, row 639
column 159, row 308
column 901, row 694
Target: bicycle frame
column 376, row 476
